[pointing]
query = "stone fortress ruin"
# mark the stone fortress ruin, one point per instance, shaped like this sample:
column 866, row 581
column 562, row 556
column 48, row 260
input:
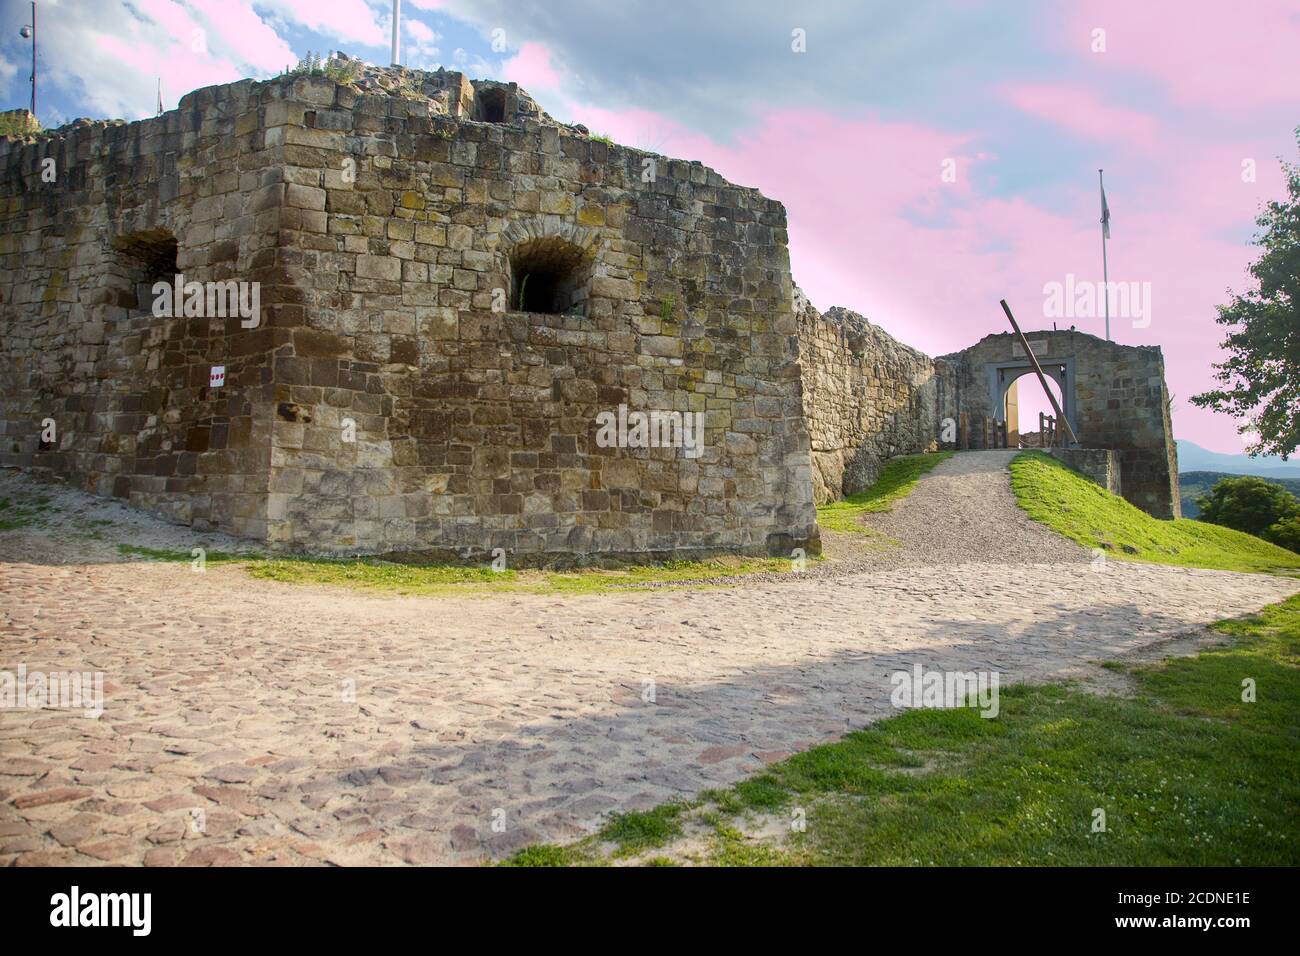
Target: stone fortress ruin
column 448, row 290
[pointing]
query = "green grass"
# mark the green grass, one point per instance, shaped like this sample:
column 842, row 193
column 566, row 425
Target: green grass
column 378, row 575
column 897, row 480
column 544, row 854
column 158, row 554
column 22, row 515
column 628, row 834
column 637, row 831
column 1187, row 773
column 375, row 574
column 1068, row 503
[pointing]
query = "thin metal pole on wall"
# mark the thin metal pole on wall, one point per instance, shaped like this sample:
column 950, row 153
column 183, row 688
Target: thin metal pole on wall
column 29, row 30
column 397, row 32
column 1105, row 234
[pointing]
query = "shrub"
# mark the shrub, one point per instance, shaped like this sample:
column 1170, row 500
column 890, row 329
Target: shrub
column 1248, row 504
column 1285, row 534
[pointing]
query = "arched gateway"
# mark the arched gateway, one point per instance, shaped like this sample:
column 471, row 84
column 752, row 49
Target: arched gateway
column 1114, row 397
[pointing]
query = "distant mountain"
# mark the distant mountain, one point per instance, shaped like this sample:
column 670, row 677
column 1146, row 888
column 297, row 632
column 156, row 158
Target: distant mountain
column 1192, row 457
column 1193, row 484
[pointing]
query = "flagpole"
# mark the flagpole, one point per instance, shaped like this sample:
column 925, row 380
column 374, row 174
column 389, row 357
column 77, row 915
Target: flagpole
column 397, row 32
column 1105, row 271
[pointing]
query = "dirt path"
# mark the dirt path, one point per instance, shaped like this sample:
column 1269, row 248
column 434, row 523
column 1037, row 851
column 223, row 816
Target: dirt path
column 964, row 511
column 479, row 725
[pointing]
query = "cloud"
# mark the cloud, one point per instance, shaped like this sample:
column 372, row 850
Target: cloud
column 424, row 41
column 345, row 21
column 8, row 69
column 531, row 68
column 251, row 39
column 716, row 64
column 419, row 30
column 472, row 63
column 1232, row 58
column 111, row 54
column 874, row 227
column 1083, row 113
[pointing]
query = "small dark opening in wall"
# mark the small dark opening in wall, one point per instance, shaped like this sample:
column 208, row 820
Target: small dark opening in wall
column 549, row 275
column 492, row 106
column 146, row 258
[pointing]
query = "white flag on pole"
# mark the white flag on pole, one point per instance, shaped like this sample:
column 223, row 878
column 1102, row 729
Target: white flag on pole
column 1105, row 214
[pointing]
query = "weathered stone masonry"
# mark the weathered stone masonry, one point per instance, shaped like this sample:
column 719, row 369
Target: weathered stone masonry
column 395, row 238
column 128, row 393
column 867, row 397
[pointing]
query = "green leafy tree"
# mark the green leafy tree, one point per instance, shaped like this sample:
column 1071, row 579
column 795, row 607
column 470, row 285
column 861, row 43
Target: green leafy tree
column 1260, row 380
column 1248, row 504
column 1285, row 534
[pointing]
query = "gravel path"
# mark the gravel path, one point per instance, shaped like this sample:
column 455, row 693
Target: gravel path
column 964, row 511
column 250, row 721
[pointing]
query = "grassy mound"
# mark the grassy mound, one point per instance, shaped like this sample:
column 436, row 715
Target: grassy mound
column 896, row 481
column 1058, row 496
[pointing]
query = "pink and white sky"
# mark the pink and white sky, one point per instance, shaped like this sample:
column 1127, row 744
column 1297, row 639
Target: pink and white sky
column 1190, row 107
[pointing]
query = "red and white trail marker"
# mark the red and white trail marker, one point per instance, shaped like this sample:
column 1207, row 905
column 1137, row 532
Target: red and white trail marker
column 217, row 377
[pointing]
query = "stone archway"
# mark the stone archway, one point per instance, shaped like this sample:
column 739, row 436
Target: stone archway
column 1001, row 376
column 1114, row 397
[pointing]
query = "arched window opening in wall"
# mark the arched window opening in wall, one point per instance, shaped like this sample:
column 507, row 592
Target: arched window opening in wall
column 549, row 275
column 145, row 258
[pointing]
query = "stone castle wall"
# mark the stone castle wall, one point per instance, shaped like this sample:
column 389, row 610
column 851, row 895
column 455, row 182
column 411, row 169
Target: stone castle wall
column 402, row 391
column 89, row 218
column 1101, row 465
column 476, row 426
column 867, row 397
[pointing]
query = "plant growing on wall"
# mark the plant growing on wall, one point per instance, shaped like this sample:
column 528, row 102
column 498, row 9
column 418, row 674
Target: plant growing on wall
column 345, row 73
column 308, row 65
column 13, row 125
column 340, row 71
